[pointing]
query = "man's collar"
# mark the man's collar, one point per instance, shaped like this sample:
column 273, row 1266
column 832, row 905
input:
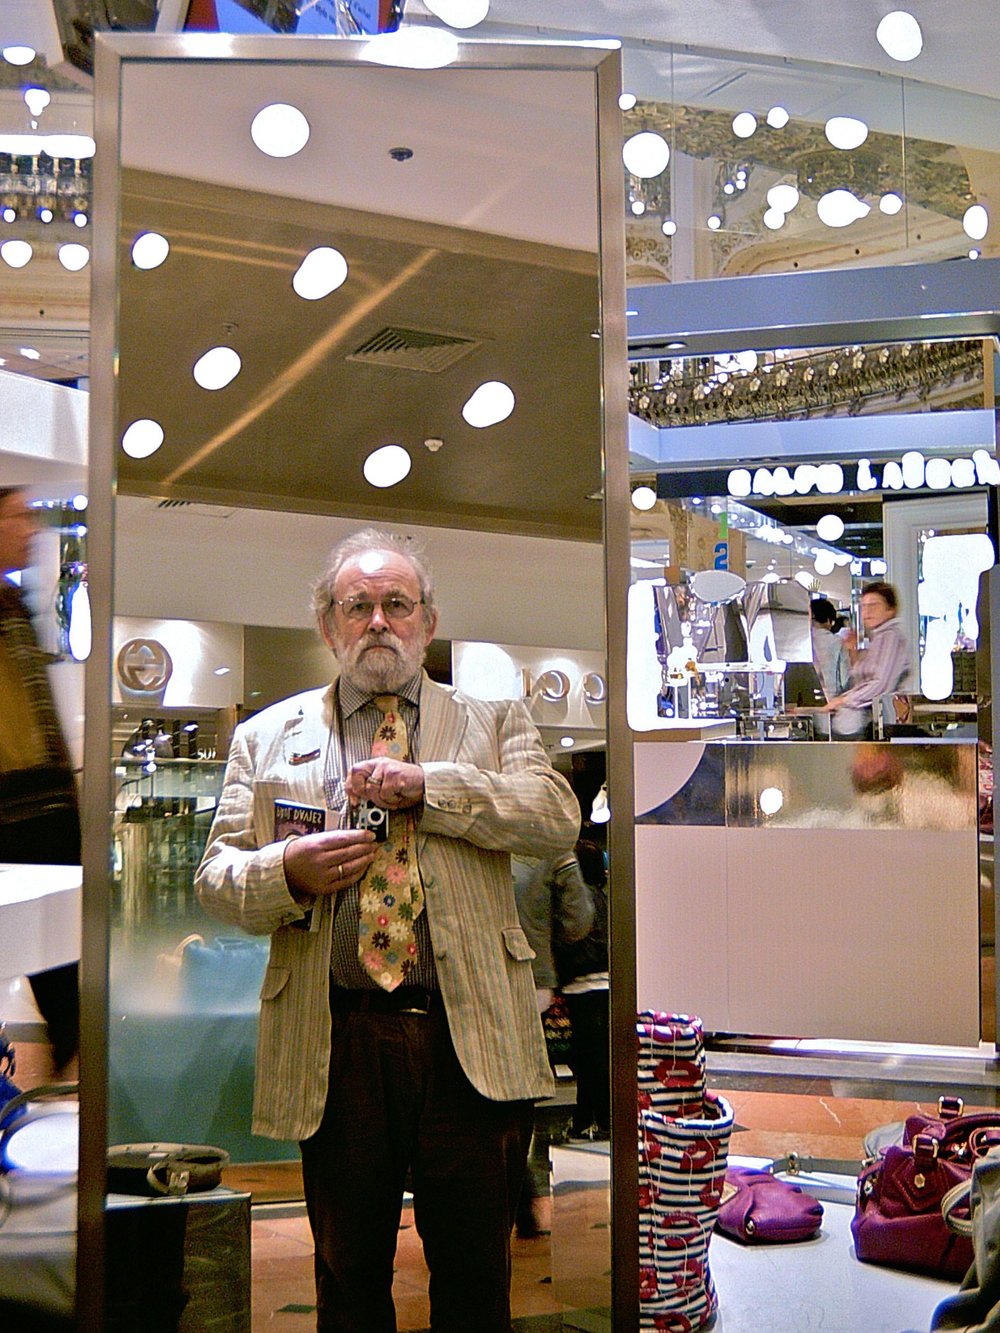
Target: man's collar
column 352, row 698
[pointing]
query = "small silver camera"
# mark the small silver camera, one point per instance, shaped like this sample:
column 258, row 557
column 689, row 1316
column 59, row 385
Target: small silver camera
column 372, row 817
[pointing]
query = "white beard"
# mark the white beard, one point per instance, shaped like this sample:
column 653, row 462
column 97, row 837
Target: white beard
column 384, row 671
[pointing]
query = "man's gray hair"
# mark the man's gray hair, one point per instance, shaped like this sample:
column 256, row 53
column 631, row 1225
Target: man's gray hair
column 359, row 544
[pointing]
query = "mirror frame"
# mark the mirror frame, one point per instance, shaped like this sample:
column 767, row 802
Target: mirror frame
column 112, row 52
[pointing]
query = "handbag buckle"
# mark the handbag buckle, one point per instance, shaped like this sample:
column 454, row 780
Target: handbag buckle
column 950, row 1107
column 925, row 1145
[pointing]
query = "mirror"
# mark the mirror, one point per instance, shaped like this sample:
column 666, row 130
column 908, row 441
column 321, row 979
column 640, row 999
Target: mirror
column 463, row 204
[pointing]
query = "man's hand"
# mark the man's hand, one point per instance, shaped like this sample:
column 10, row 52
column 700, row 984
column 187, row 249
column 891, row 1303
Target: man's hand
column 320, row 863
column 386, row 782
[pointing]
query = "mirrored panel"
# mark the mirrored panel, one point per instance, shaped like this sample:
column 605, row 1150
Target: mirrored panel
column 390, row 313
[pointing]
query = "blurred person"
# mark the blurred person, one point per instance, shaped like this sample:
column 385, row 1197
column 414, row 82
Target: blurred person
column 829, row 651
column 398, row 1026
column 582, row 969
column 878, row 669
column 39, row 811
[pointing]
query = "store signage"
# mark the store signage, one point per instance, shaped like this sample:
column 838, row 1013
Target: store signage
column 144, row 667
column 913, row 472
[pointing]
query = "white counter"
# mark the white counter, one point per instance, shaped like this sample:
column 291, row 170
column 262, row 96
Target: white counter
column 39, row 917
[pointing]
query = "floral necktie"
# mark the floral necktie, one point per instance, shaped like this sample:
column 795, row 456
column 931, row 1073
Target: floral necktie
column 391, row 894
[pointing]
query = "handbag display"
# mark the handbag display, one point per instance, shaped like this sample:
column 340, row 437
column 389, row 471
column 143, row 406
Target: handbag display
column 973, row 1210
column 759, row 1209
column 683, row 1151
column 154, row 1169
column 897, row 1219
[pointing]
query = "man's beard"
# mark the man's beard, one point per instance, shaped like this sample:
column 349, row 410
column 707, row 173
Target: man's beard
column 380, row 672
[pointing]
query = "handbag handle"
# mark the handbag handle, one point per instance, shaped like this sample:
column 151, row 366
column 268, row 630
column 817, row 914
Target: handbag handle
column 957, row 1197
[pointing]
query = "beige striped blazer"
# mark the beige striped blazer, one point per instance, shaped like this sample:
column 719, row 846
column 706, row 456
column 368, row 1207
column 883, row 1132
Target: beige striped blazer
column 489, row 791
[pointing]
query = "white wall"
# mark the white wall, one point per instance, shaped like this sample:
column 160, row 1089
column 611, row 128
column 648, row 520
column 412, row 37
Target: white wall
column 255, row 567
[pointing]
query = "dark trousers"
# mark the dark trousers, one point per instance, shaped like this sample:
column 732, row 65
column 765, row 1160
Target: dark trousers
column 50, row 839
column 399, row 1099
column 589, row 1059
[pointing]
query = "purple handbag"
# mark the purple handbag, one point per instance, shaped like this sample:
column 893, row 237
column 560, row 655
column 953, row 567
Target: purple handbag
column 758, row 1208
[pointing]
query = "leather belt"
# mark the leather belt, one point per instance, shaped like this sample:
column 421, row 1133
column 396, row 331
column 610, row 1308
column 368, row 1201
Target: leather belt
column 402, row 1000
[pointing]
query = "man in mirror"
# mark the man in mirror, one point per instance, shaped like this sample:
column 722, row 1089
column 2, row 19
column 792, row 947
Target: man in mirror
column 398, row 1028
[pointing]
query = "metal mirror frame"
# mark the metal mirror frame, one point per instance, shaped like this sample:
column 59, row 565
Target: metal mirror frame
column 112, row 52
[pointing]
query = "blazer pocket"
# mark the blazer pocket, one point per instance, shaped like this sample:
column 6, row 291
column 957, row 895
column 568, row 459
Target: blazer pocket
column 516, row 944
column 275, row 981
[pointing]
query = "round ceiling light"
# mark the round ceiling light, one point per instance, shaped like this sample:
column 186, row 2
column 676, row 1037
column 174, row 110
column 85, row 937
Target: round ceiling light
column 669, row 227
column 627, row 101
column 16, row 254
column 846, row 132
column 387, row 466
column 783, row 197
column 804, row 577
column 890, row 204
column 839, row 208
column 280, row 130
column 36, row 100
column 218, row 367
column 321, row 272
column 18, row 55
column 744, row 124
column 74, row 257
column 567, row 742
column 459, row 13
column 824, row 563
column 777, row 118
column 643, row 498
column 899, row 35
column 774, row 218
column 491, row 403
column 771, row 800
column 142, row 438
column 646, row 154
column 830, row 528
column 976, row 222
column 714, row 222
column 149, row 249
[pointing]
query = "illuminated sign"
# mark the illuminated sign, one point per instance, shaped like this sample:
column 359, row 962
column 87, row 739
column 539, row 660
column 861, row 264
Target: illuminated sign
column 144, row 667
column 913, row 472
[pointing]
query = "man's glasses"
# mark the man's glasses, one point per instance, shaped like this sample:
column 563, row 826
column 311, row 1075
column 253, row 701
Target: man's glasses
column 394, row 607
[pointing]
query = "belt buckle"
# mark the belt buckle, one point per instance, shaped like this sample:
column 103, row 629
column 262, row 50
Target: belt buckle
column 414, row 1009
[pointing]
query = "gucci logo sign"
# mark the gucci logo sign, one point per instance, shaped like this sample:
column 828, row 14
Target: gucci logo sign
column 144, row 666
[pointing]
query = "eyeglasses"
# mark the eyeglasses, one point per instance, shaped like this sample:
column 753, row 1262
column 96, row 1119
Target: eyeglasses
column 394, row 607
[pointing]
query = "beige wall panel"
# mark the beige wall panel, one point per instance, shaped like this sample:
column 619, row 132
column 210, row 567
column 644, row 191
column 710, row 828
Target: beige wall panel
column 682, row 950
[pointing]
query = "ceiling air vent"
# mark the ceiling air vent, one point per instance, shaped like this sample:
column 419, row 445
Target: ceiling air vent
column 414, row 349
column 195, row 507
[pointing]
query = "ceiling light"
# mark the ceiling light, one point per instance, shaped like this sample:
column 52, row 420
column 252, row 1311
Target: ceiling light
column 890, row 204
column 459, row 13
column 774, row 218
column 36, row 99
column 149, row 250
column 879, row 567
column 646, row 154
column 30, row 353
column 714, row 222
column 804, row 577
column 218, row 367
column 9, row 214
column 491, row 403
column 747, row 361
column 976, row 222
column 846, row 132
column 839, row 208
column 45, row 215
column 280, row 130
column 643, row 497
column 627, row 101
column 221, row 671
column 321, row 272
column 18, row 55
column 79, row 502
column 744, row 125
column 974, row 254
column 387, row 466
column 80, row 218
column 777, row 118
column 771, row 800
column 142, row 438
column 669, row 227
column 899, row 35
column 567, row 742
column 412, row 48
column 74, row 257
column 638, row 207
column 783, row 197
column 830, row 528
column 16, row 253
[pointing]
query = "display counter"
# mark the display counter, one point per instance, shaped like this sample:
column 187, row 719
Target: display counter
column 811, row 889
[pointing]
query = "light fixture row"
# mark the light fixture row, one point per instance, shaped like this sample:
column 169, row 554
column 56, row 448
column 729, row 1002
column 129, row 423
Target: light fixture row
column 18, row 254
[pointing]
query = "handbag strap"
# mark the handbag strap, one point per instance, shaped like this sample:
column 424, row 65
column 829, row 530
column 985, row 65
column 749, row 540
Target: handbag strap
column 957, row 1198
column 11, row 1108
